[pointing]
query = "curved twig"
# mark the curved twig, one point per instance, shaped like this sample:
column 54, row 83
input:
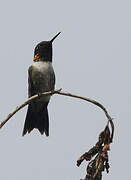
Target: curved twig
column 25, row 103
column 64, row 94
column 93, row 102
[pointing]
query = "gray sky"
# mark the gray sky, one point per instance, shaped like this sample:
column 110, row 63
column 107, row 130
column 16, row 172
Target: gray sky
column 91, row 58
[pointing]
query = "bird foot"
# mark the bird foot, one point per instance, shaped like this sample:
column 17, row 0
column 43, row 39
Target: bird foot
column 39, row 94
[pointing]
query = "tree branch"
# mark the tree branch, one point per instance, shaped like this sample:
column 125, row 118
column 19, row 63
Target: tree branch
column 64, row 94
column 101, row 148
column 95, row 103
column 25, row 103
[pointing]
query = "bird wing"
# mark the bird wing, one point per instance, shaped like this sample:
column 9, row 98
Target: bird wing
column 30, row 83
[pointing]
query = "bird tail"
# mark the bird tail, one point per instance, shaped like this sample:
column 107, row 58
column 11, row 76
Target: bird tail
column 37, row 119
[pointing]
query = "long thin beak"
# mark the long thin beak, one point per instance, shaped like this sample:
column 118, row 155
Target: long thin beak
column 54, row 37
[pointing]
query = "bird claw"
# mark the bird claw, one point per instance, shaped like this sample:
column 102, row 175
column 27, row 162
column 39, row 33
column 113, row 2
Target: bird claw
column 39, row 94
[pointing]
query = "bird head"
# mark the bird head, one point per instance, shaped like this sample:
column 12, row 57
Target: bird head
column 43, row 50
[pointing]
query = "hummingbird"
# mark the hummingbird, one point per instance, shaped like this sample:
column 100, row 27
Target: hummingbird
column 41, row 78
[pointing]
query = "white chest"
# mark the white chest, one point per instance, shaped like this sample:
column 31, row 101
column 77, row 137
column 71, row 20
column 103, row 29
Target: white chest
column 42, row 67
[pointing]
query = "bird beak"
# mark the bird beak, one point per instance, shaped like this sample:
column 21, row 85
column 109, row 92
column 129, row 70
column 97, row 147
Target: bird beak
column 54, row 37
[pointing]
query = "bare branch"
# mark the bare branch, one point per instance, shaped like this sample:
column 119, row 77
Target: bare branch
column 25, row 103
column 64, row 94
column 98, row 154
column 95, row 103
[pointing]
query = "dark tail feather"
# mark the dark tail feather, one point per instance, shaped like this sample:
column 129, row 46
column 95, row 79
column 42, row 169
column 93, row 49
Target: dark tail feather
column 38, row 120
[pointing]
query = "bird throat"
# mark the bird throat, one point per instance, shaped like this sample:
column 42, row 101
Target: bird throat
column 36, row 58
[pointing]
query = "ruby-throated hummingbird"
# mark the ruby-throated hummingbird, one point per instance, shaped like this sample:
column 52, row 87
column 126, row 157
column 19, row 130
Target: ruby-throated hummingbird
column 41, row 78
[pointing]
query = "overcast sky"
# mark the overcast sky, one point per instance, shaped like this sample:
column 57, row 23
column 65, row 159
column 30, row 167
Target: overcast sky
column 92, row 58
